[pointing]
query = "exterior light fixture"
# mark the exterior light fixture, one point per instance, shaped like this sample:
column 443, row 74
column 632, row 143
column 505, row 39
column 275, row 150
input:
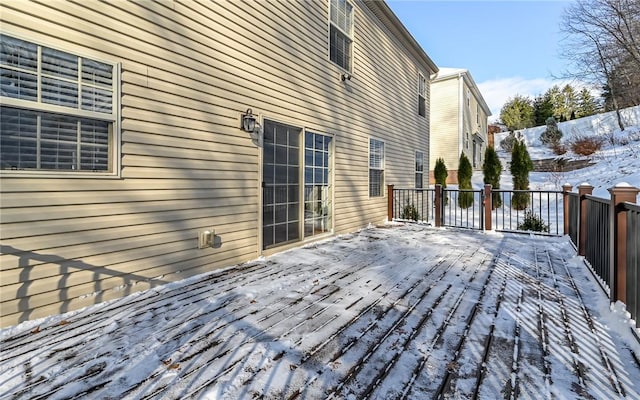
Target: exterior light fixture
column 345, row 77
column 248, row 121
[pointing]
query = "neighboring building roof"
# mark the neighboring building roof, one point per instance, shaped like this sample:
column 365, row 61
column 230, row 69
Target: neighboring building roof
column 449, row 73
column 391, row 21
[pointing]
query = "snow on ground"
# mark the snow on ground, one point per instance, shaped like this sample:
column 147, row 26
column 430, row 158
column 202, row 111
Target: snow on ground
column 390, row 312
column 618, row 161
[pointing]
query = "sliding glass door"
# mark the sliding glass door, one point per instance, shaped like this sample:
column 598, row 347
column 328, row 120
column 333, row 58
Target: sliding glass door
column 282, row 217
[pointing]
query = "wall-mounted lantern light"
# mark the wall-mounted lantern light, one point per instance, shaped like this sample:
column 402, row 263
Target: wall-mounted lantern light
column 248, row 121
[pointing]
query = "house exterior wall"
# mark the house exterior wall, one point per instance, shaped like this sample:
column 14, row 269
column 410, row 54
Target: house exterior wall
column 458, row 123
column 446, row 120
column 189, row 70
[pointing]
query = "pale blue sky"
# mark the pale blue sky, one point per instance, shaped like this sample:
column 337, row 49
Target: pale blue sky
column 509, row 47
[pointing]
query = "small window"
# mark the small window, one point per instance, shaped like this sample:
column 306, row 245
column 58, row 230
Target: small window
column 468, row 98
column 376, row 168
column 59, row 111
column 466, row 140
column 419, row 169
column 422, row 95
column 478, row 114
column 340, row 33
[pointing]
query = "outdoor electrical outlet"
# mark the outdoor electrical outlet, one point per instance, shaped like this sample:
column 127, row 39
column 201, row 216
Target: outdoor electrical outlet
column 205, row 238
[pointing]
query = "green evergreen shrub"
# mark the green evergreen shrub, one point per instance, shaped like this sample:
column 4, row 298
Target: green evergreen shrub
column 521, row 165
column 491, row 170
column 533, row 222
column 440, row 174
column 410, row 212
column 552, row 135
column 465, row 172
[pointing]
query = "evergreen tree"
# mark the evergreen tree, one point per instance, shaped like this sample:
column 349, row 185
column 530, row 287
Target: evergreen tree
column 521, row 165
column 552, row 135
column 491, row 170
column 543, row 109
column 465, row 172
column 569, row 102
column 440, row 172
column 518, row 113
column 557, row 101
column 587, row 104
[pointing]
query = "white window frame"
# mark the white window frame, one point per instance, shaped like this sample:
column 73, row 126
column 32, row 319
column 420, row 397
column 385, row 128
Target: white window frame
column 347, row 30
column 422, row 95
column 378, row 166
column 419, row 169
column 38, row 106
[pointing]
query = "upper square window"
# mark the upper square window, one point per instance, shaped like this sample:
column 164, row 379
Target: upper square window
column 59, row 110
column 340, row 33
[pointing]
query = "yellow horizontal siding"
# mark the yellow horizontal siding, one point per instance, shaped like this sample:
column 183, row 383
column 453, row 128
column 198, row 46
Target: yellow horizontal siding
column 189, row 69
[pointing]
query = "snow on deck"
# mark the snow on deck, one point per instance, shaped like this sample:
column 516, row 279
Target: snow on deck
column 395, row 312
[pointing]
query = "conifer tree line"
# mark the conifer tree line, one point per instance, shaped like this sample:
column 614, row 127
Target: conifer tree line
column 602, row 46
column 562, row 104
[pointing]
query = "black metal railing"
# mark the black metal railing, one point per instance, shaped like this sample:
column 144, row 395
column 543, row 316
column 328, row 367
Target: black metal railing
column 540, row 211
column 597, row 248
column 633, row 261
column 413, row 205
column 462, row 208
column 574, row 216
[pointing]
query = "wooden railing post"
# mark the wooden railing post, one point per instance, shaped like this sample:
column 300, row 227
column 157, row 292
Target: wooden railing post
column 438, row 205
column 583, row 190
column 622, row 192
column 488, row 207
column 390, row 203
column 566, row 189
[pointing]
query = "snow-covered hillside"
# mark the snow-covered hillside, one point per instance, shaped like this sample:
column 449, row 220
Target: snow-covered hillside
column 617, row 161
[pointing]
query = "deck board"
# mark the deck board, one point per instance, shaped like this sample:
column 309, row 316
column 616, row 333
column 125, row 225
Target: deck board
column 393, row 312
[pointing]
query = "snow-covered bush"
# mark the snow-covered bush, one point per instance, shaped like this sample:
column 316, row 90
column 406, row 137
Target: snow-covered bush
column 552, row 135
column 506, row 144
column 533, row 222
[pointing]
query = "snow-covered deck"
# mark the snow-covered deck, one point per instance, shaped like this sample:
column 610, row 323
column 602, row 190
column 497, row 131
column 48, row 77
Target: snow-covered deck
column 387, row 313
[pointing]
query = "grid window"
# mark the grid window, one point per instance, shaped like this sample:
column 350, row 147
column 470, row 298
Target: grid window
column 281, row 184
column 422, row 95
column 317, row 175
column 376, row 167
column 340, row 33
column 59, row 110
column 419, row 169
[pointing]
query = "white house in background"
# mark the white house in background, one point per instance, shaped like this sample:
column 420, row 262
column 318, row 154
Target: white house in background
column 458, row 123
column 145, row 142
